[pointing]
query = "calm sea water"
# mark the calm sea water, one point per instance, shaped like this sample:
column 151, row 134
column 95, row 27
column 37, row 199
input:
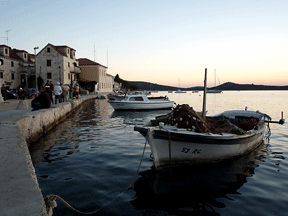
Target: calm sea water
column 93, row 156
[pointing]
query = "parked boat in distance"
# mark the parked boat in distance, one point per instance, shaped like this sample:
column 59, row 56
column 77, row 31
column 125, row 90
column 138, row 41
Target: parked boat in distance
column 214, row 91
column 186, row 138
column 180, row 91
column 140, row 102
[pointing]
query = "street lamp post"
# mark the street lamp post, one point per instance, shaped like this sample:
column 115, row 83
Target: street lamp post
column 35, row 48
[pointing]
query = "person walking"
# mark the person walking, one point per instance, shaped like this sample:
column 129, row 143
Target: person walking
column 67, row 90
column 57, row 92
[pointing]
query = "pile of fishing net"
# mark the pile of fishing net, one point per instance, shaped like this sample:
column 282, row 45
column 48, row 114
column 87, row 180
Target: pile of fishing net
column 184, row 116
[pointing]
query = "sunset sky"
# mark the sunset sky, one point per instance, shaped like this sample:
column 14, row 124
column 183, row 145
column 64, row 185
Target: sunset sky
column 165, row 42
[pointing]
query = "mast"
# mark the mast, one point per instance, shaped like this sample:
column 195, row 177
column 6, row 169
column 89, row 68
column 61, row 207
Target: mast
column 215, row 77
column 204, row 94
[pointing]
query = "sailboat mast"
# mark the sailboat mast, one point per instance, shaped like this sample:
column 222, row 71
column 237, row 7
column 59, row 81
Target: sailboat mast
column 215, row 77
column 204, row 95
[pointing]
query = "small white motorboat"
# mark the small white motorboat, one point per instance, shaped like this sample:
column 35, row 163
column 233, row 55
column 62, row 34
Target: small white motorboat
column 174, row 146
column 141, row 102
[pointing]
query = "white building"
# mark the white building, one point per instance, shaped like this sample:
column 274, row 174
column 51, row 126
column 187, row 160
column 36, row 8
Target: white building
column 58, row 64
column 16, row 68
column 93, row 71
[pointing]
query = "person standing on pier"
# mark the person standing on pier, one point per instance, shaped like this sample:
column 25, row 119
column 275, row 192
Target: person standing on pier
column 50, row 89
column 77, row 91
column 4, row 92
column 57, row 92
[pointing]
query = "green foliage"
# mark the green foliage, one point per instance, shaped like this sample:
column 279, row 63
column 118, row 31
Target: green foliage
column 127, row 85
column 85, row 84
column 88, row 85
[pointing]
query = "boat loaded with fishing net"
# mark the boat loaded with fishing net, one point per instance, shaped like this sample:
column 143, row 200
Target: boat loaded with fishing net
column 184, row 137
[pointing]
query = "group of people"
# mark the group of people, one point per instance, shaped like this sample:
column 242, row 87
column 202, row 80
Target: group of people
column 45, row 98
column 21, row 93
column 61, row 92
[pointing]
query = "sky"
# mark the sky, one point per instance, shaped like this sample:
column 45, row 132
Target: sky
column 164, row 42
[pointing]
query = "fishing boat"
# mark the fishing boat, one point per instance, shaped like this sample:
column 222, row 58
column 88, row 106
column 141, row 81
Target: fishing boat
column 173, row 146
column 184, row 137
column 141, row 102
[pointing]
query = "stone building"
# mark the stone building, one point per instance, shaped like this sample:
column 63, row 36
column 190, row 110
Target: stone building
column 58, row 64
column 93, row 71
column 17, row 68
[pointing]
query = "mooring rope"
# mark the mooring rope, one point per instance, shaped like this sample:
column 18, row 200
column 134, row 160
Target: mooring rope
column 51, row 199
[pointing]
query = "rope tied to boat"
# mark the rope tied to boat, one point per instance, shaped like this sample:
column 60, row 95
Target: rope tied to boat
column 51, row 199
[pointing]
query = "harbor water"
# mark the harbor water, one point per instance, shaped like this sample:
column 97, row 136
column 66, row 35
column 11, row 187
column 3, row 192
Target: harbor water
column 92, row 157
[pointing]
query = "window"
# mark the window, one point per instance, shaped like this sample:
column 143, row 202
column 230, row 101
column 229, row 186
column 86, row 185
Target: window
column 49, row 76
column 136, row 99
column 1, row 75
column 68, row 75
column 68, row 64
column 48, row 63
column 1, row 62
column 6, row 51
column 25, row 55
column 48, row 50
column 12, row 64
column 12, row 76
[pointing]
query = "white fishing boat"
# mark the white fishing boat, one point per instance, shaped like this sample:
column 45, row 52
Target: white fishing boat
column 184, row 137
column 141, row 102
column 173, row 146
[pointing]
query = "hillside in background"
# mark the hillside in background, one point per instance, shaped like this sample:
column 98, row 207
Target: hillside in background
column 228, row 86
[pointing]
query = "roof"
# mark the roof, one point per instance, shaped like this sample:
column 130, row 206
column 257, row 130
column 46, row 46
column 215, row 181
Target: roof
column 86, row 62
column 13, row 54
column 57, row 48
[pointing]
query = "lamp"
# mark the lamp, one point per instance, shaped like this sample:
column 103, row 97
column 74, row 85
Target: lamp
column 35, row 48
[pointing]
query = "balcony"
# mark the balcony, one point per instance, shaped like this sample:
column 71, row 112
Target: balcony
column 75, row 70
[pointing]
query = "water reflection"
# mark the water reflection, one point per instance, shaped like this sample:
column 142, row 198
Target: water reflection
column 138, row 117
column 195, row 189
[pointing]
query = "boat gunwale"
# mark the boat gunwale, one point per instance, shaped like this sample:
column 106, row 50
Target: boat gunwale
column 200, row 138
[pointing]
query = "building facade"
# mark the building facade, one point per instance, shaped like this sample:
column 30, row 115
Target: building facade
column 57, row 64
column 17, row 68
column 93, row 71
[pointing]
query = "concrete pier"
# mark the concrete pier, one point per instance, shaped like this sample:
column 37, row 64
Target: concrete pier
column 19, row 189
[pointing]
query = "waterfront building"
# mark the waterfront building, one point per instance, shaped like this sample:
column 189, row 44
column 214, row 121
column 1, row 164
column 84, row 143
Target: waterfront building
column 17, row 68
column 58, row 64
column 93, row 71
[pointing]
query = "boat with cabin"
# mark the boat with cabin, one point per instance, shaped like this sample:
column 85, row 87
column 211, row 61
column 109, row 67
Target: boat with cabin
column 140, row 102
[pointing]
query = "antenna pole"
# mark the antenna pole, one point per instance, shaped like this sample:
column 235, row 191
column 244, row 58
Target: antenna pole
column 107, row 57
column 94, row 53
column 7, row 36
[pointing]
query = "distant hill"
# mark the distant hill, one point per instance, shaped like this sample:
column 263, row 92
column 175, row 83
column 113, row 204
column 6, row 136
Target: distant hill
column 228, row 86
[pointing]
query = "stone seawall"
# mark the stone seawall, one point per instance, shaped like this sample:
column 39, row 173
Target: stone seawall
column 38, row 123
column 19, row 189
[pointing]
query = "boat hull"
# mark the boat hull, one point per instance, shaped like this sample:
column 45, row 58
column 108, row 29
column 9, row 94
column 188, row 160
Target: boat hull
column 120, row 105
column 180, row 148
